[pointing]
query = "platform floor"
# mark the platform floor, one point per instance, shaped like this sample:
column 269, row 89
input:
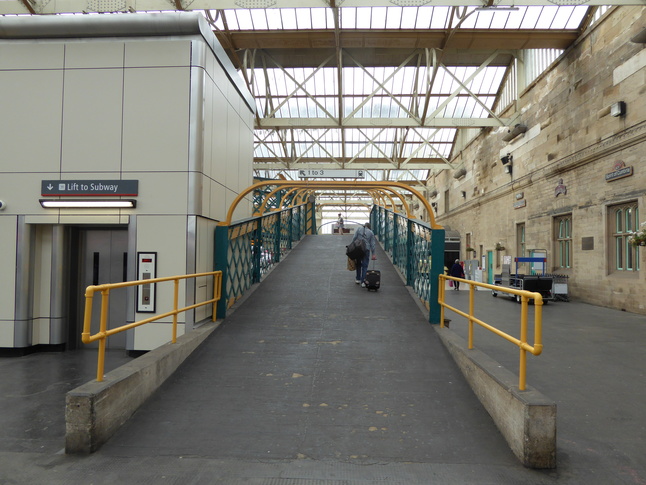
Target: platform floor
column 313, row 380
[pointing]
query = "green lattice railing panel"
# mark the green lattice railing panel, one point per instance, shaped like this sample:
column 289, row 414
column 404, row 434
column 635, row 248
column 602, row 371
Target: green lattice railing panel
column 252, row 247
column 412, row 245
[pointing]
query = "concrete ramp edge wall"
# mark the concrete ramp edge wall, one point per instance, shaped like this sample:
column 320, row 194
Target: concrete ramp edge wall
column 96, row 410
column 527, row 419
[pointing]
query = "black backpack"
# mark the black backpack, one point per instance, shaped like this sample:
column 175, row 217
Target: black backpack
column 357, row 248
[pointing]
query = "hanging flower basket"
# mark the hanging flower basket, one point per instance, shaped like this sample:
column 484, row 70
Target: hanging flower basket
column 499, row 247
column 638, row 238
column 470, row 249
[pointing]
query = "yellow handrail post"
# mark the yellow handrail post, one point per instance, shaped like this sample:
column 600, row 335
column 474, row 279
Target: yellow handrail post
column 440, row 292
column 87, row 317
column 471, row 317
column 175, row 305
column 105, row 298
column 522, row 373
column 538, row 325
column 216, row 293
column 104, row 333
column 521, row 342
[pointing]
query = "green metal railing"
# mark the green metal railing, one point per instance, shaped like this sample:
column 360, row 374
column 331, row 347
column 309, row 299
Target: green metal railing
column 246, row 250
column 416, row 250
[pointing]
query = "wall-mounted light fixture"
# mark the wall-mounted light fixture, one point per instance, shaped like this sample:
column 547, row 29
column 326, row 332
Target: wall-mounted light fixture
column 463, row 194
column 88, row 203
column 514, row 132
column 508, row 168
column 618, row 109
column 506, row 159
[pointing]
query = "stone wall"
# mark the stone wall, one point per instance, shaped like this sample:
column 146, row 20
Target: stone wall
column 560, row 164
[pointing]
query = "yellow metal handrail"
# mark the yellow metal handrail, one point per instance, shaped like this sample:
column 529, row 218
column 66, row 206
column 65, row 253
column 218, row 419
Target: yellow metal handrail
column 521, row 342
column 104, row 333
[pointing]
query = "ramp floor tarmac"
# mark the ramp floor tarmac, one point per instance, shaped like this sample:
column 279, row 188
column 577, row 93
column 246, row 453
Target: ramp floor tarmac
column 313, row 380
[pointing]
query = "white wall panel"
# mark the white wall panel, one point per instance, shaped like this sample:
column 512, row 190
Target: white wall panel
column 31, row 56
column 8, row 225
column 209, row 125
column 20, row 191
column 204, row 262
column 6, row 333
column 96, row 54
column 156, row 113
column 165, row 235
column 218, row 202
column 161, row 53
column 92, row 114
column 30, row 136
column 161, row 192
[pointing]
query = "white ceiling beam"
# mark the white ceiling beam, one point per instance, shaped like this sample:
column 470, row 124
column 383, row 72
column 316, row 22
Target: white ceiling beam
column 271, row 123
column 430, row 164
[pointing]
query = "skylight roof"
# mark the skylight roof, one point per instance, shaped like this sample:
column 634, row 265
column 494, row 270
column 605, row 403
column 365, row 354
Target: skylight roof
column 404, row 18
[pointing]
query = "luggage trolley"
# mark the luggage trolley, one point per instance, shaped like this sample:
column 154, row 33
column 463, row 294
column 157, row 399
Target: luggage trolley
column 539, row 283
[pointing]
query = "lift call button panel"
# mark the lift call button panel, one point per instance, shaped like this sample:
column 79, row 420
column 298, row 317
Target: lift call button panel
column 146, row 270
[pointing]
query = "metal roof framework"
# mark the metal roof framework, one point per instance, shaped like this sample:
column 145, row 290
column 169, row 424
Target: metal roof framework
column 383, row 89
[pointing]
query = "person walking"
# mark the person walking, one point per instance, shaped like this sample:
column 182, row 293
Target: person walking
column 458, row 272
column 339, row 223
column 368, row 236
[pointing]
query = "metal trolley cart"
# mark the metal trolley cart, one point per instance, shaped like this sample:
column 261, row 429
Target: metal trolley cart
column 560, row 287
column 540, row 283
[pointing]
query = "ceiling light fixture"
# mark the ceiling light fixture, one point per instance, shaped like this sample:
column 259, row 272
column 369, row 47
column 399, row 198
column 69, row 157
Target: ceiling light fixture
column 88, row 204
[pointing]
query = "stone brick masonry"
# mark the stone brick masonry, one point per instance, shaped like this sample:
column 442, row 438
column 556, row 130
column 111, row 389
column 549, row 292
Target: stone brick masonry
column 561, row 163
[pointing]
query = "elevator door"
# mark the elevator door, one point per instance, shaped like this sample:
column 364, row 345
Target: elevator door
column 104, row 258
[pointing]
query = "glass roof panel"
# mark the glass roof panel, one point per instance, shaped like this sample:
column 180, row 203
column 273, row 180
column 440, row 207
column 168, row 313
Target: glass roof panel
column 578, row 14
column 379, row 17
column 440, row 17
column 425, row 17
column 409, row 17
column 274, row 18
column 348, row 17
column 243, row 18
column 394, row 17
column 320, row 18
column 259, row 19
column 288, row 16
column 516, row 18
column 363, row 18
column 303, row 18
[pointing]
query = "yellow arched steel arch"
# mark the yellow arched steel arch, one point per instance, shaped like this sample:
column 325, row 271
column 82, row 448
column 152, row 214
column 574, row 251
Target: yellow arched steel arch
column 384, row 186
column 372, row 192
column 376, row 194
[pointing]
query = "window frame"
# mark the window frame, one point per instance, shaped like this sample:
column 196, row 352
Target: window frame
column 623, row 220
column 563, row 242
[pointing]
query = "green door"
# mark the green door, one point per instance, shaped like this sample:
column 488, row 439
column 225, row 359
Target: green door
column 490, row 267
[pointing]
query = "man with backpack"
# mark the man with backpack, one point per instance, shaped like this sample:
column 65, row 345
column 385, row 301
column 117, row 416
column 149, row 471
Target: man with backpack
column 368, row 237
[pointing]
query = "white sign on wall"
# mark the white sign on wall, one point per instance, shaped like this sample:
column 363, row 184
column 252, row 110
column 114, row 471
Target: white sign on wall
column 324, row 173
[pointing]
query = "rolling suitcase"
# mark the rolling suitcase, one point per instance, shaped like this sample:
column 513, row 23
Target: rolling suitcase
column 373, row 279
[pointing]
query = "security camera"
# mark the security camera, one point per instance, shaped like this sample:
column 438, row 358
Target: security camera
column 3, row 205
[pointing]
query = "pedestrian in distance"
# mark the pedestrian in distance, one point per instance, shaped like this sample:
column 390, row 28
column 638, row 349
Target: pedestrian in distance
column 368, row 236
column 339, row 223
column 458, row 272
